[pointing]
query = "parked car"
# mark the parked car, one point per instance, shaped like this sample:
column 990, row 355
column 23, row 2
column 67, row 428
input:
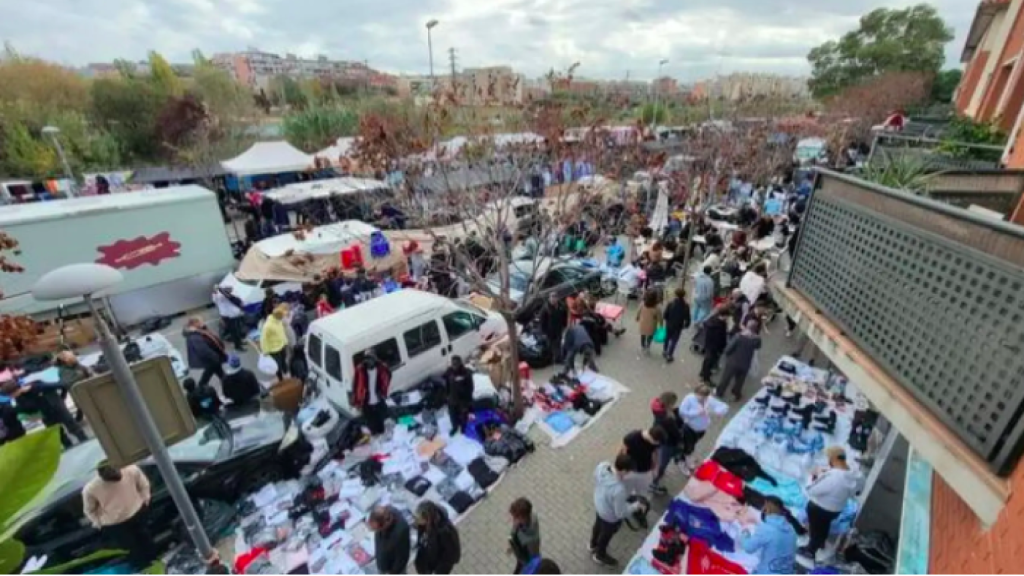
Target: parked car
column 561, row 278
column 413, row 332
column 218, row 464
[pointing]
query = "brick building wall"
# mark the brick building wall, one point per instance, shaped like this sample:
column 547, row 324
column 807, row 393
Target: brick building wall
column 961, row 545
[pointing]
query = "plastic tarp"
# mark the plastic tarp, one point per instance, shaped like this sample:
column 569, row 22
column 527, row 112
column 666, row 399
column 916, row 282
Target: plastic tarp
column 341, row 147
column 320, row 189
column 269, row 158
column 298, row 257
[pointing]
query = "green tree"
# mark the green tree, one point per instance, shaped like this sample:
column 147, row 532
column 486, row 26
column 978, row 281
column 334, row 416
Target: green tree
column 945, row 85
column 284, row 90
column 888, row 40
column 226, row 99
column 648, row 114
column 127, row 109
column 25, row 155
column 125, row 68
column 315, row 128
column 163, row 76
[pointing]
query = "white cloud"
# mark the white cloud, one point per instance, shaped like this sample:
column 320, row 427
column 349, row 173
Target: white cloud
column 608, row 37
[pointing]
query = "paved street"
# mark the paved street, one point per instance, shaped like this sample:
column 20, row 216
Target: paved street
column 559, row 481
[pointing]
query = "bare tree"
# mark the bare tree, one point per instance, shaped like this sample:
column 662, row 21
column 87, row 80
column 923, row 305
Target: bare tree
column 466, row 203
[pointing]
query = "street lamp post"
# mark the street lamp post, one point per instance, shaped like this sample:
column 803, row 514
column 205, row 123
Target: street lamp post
column 52, row 132
column 430, row 49
column 657, row 93
column 85, row 280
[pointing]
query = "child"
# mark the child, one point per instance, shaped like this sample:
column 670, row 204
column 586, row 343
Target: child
column 524, row 542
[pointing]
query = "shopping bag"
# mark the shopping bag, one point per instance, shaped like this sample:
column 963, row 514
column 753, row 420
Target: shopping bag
column 659, row 334
column 266, row 364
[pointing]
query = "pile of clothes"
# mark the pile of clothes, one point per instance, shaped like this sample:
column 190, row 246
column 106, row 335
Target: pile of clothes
column 317, row 522
column 569, row 402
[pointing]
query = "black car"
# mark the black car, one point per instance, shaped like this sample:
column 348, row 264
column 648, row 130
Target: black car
column 551, row 276
column 219, row 463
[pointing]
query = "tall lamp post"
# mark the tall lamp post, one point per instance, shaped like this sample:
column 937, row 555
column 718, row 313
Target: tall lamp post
column 86, row 280
column 52, row 132
column 657, row 93
column 430, row 49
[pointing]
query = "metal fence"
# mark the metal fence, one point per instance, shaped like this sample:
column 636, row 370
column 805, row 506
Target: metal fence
column 934, row 294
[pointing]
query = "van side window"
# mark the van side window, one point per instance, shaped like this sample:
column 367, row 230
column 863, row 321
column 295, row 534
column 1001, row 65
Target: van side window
column 332, row 362
column 458, row 323
column 422, row 338
column 315, row 350
column 386, row 351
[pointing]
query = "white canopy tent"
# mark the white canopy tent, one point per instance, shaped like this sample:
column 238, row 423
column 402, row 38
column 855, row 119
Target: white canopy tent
column 317, row 189
column 341, row 147
column 269, row 158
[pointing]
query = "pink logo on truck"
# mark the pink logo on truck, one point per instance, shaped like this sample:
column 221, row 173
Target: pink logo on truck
column 130, row 254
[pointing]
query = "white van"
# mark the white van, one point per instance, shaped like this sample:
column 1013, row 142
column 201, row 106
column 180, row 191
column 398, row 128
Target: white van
column 414, row 332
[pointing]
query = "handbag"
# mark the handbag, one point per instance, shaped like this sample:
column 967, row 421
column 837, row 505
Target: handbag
column 266, row 364
column 659, row 335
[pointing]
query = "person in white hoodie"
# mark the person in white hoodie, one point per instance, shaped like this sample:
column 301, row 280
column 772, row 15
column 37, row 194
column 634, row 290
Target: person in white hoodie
column 827, row 495
column 611, row 505
column 696, row 411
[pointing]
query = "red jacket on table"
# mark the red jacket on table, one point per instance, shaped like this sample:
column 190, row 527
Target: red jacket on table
column 360, row 384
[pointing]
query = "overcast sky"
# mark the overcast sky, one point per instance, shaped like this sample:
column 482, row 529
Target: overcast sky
column 608, row 37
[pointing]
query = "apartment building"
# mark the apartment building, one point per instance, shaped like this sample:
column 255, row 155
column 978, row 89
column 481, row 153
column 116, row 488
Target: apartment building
column 742, row 85
column 256, row 68
column 992, row 86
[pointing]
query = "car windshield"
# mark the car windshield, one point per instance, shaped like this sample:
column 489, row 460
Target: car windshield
column 209, row 444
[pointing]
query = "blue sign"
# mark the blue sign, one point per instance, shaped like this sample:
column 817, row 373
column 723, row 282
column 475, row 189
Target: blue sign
column 915, row 526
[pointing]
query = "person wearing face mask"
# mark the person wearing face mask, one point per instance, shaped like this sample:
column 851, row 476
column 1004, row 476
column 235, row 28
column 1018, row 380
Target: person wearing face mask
column 827, row 495
column 370, row 391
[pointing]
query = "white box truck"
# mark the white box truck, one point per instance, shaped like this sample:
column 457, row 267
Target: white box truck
column 170, row 244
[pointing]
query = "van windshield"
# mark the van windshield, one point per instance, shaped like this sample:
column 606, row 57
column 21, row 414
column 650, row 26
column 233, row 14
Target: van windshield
column 470, row 307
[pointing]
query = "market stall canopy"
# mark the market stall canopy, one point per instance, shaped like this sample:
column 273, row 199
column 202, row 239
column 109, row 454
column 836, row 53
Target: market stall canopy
column 320, row 189
column 151, row 174
column 301, row 255
column 341, row 147
column 468, row 178
column 268, row 158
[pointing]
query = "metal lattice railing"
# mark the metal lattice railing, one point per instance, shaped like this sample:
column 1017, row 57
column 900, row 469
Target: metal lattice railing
column 932, row 294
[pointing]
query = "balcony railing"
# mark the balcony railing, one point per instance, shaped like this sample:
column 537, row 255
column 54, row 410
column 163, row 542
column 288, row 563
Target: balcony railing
column 933, row 293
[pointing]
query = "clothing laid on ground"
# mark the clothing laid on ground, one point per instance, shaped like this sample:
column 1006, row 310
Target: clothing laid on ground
column 741, row 464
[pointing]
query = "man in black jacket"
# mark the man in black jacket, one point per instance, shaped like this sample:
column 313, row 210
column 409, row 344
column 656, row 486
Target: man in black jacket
column 459, row 380
column 390, row 540
column 677, row 319
column 554, row 317
column 716, row 336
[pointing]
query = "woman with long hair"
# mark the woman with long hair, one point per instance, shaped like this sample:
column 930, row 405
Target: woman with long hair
column 649, row 317
column 438, row 549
